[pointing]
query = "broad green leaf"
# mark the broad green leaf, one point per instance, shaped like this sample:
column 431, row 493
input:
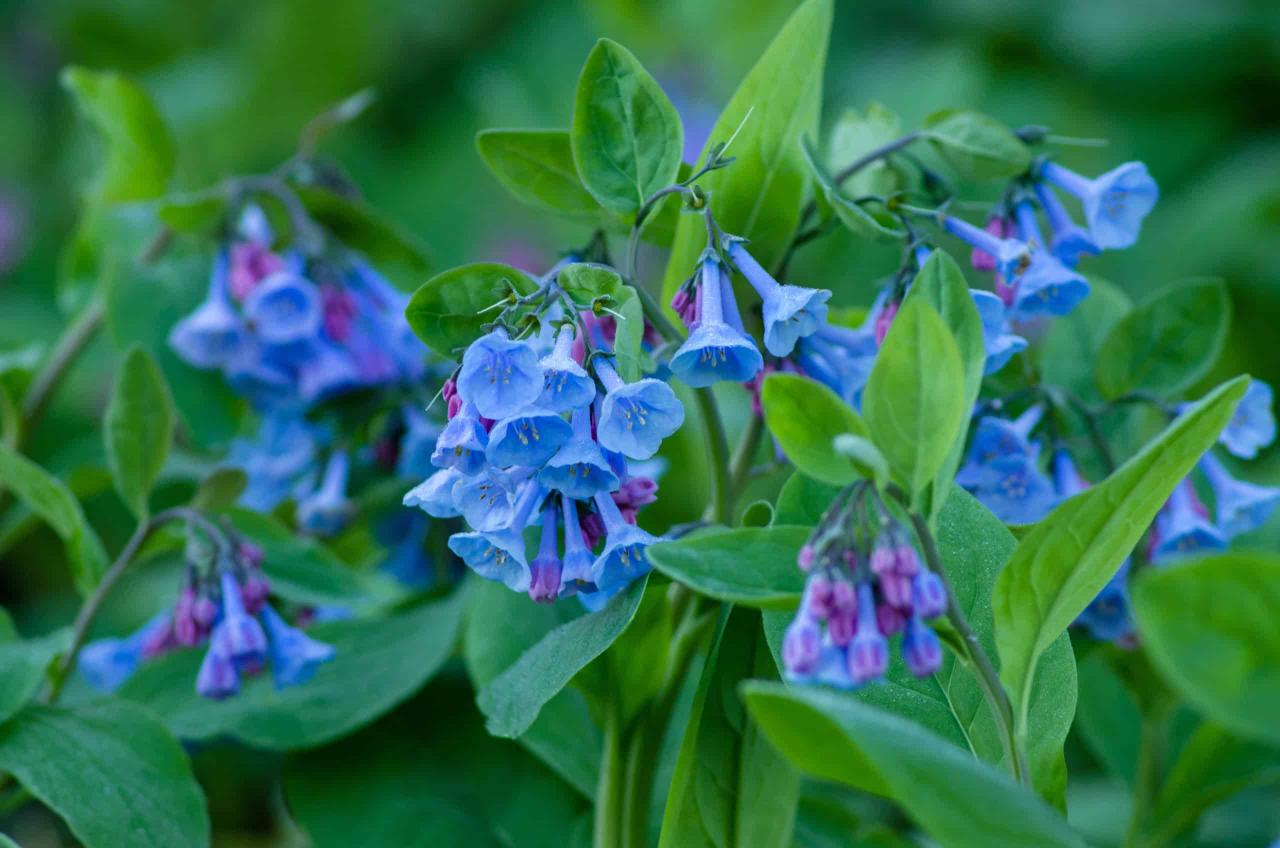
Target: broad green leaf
column 138, row 428
column 1069, row 352
column 111, row 771
column 914, row 402
column 449, row 310
column 219, row 490
column 730, row 786
column 1166, row 344
column 1108, row 718
column 1211, row 630
column 395, row 251
column 429, row 775
column 626, row 136
column 978, row 147
column 500, row 626
column 536, row 166
column 803, row 500
column 957, row 800
column 1062, row 563
column 854, row 135
column 805, row 417
column 379, row 663
column 139, row 153
column 49, row 498
column 22, row 668
column 760, row 195
column 867, row 219
column 752, row 566
column 300, row 568
column 512, row 700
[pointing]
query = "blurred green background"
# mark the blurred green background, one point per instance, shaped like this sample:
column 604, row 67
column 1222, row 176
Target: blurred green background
column 1191, row 88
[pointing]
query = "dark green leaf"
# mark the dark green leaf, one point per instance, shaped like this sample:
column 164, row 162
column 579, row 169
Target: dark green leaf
column 757, row 514
column 138, row 428
column 196, row 214
column 805, row 417
column 536, row 166
column 449, row 310
column 395, row 251
column 803, row 500
column 753, row 566
column 219, row 490
column 300, row 568
column 978, row 147
column 1069, row 352
column 111, row 771
column 22, row 668
column 1108, row 718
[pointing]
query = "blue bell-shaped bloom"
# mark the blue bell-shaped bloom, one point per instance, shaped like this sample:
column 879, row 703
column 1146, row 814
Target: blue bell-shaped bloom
column 1114, row 204
column 1011, row 256
column 579, row 469
column 1067, row 240
column 999, row 438
column 499, row 376
column 1253, row 426
column 434, row 495
column 283, row 451
column 326, row 511
column 567, row 385
column 530, row 438
column 842, row 358
column 546, row 570
column 218, row 677
column 417, row 444
column 211, row 335
column 107, row 663
column 1241, row 506
column 623, row 558
column 245, row 641
column 921, row 648
column 1046, row 287
column 790, row 312
column 488, row 499
column 294, row 655
column 578, row 559
column 462, row 443
column 869, row 650
column 635, row 417
column 1108, row 616
column 324, row 369
column 715, row 350
column 501, row 556
column 284, row 308
column 999, row 340
column 1013, row 488
column 404, row 534
column 1182, row 529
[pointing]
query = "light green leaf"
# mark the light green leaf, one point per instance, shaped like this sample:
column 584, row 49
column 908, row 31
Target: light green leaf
column 197, row 213
column 512, row 700
column 805, row 417
column 956, row 799
column 450, row 309
column 111, row 771
column 626, row 136
column 978, row 147
column 139, row 152
column 378, row 664
column 730, row 786
column 394, row 250
column 752, row 566
column 589, row 285
column 1211, row 630
column 138, row 428
column 1166, row 344
column 1069, row 352
column 760, row 195
column 536, row 166
column 22, row 668
column 867, row 219
column 1061, row 564
column 914, row 402
column 803, row 500
column 853, row 136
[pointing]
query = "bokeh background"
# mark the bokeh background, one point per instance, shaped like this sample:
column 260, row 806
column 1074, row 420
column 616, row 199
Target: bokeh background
column 1191, row 88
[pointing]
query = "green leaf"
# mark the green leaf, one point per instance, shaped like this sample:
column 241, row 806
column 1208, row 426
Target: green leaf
column 197, row 213
column 978, row 147
column 300, row 568
column 512, row 700
column 395, row 251
column 1069, row 352
column 805, row 417
column 803, row 500
column 853, row 136
column 730, row 786
column 22, row 668
column 139, row 152
column 1211, row 631
column 589, row 285
column 1167, row 343
column 1109, row 720
column 1065, row 559
column 138, row 428
column 867, row 219
column 956, row 799
column 914, row 402
column 446, row 312
column 219, row 490
column 752, row 566
column 759, row 197
column 585, row 282
column 536, row 166
column 757, row 514
column 49, row 498
column 379, row 663
column 626, row 135
column 111, row 771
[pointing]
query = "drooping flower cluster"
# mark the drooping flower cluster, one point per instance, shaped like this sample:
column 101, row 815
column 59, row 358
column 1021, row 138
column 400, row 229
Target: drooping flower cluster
column 866, row 583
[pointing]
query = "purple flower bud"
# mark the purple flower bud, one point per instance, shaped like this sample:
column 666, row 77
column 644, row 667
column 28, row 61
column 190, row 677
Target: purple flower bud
column 544, row 582
column 843, row 597
column 801, row 646
column 928, row 595
column 921, row 649
column 906, row 561
column 896, row 590
column 883, row 559
column 890, row 619
column 819, row 599
column 805, row 557
column 869, row 652
column 840, row 628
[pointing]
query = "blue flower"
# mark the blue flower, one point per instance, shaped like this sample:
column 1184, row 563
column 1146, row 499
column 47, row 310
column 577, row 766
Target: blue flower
column 500, row 376
column 245, row 643
column 282, row 452
column 1068, row 241
column 404, row 535
column 210, row 337
column 715, row 350
column 1011, row 256
column 488, row 499
column 218, row 677
column 869, row 650
column 578, row 559
column 1182, row 527
column 567, row 384
column 841, row 358
column 501, row 556
column 1253, row 426
column 1108, row 617
column 545, row 572
column 107, row 663
column 997, row 438
column 1046, row 287
column 434, row 495
column 295, row 656
column 921, row 648
column 284, row 308
column 462, row 442
column 623, row 558
column 579, row 469
column 529, row 438
column 997, row 337
column 417, row 444
column 1114, row 203
column 635, row 417
column 326, row 510
column 324, row 369
column 790, row 312
column 1013, row 488
column 1241, row 506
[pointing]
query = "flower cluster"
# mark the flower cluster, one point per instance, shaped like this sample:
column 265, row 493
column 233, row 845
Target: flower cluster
column 866, row 583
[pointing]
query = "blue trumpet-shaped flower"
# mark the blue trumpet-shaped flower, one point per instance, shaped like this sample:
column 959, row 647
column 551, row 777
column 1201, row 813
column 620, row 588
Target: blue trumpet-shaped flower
column 488, row 499
column 1241, row 506
column 999, row 438
column 294, row 655
column 841, row 358
column 623, row 558
column 211, row 336
column 107, row 663
column 500, row 376
column 1108, row 616
column 716, row 350
column 635, row 417
column 567, row 385
column 790, row 312
column 921, row 648
column 1114, row 204
column 1067, row 241
column 1046, row 287
column 326, row 510
column 501, row 555
column 434, row 495
column 579, row 469
column 869, row 650
column 324, row 369
column 1010, row 255
column 546, row 570
column 276, row 459
column 1253, row 426
column 1013, row 488
column 218, row 677
column 245, row 643
column 461, row 445
column 417, row 444
column 1183, row 528
column 530, row 437
column 1000, row 342
column 284, row 308
column 578, row 559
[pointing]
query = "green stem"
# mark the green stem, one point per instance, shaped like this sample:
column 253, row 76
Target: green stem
column 744, row 454
column 611, row 789
column 722, row 497
column 75, row 338
column 633, row 243
column 1150, row 764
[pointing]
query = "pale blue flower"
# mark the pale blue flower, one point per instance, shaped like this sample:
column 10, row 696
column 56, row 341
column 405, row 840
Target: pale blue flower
column 1253, row 426
column 715, row 350
column 488, row 500
column 434, row 495
column 578, row 559
column 462, row 443
column 790, row 312
column 246, row 644
column 1046, row 287
column 579, row 469
column 1241, row 506
column 283, row 308
column 1182, row 527
column 326, row 511
column 635, row 417
column 294, row 655
column 1011, row 256
column 211, row 336
column 1115, row 203
column 501, row 556
column 567, row 384
column 500, row 376
column 998, row 338
column 529, row 438
column 218, row 677
column 417, row 444
column 107, row 663
column 623, row 558
column 1067, row 241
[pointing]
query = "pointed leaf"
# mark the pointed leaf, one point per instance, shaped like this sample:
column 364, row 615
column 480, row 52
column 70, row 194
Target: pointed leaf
column 138, row 428
column 449, row 310
column 978, row 147
column 805, row 417
column 752, row 566
column 536, row 166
